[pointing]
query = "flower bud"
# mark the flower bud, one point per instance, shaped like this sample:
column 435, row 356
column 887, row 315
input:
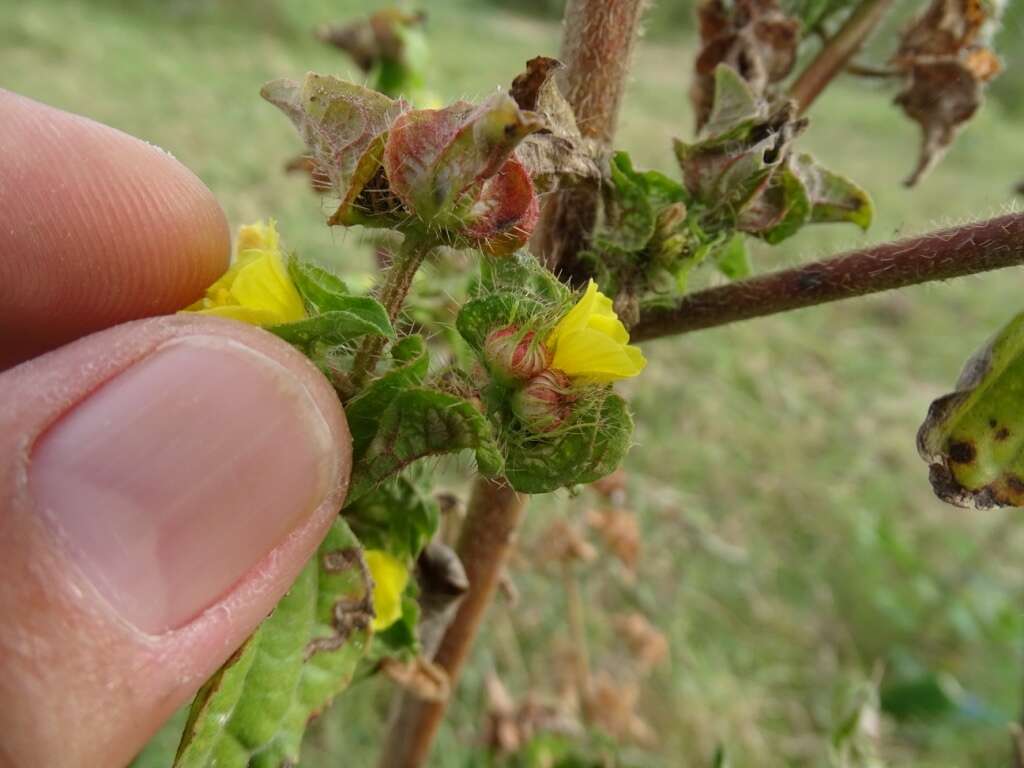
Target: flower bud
column 514, row 354
column 545, row 402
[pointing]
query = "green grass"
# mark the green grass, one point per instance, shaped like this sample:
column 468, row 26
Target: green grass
column 792, row 547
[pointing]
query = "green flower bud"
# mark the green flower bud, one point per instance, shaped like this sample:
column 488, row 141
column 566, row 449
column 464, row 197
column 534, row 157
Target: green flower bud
column 544, row 403
column 514, row 354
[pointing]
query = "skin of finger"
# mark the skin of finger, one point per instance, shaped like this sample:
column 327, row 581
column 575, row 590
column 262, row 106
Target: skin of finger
column 98, row 228
column 78, row 685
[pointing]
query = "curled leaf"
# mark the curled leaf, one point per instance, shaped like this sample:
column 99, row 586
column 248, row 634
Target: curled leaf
column 756, row 38
column 973, row 438
column 832, row 197
column 743, row 173
column 557, row 155
column 453, row 169
column 947, row 63
column 344, row 126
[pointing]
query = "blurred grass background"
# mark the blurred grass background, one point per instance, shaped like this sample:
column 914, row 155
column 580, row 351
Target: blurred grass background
column 792, row 551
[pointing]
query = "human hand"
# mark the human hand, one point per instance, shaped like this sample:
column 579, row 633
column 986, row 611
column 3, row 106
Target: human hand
column 162, row 480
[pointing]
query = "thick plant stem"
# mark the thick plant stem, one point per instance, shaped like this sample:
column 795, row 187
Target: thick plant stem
column 965, row 250
column 597, row 44
column 396, row 282
column 837, row 52
column 484, row 543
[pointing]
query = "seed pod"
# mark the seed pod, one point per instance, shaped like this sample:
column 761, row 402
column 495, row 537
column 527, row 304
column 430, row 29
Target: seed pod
column 545, row 402
column 514, row 354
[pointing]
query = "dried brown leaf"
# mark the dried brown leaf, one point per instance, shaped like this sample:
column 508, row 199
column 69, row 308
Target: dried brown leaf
column 558, row 155
column 946, row 64
column 754, row 37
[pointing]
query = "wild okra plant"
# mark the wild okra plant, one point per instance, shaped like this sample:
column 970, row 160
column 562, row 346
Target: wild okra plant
column 520, row 375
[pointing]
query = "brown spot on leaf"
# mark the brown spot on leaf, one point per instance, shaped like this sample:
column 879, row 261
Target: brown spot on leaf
column 1002, row 433
column 962, row 452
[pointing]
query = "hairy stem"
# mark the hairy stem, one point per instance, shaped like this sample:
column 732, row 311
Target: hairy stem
column 484, row 543
column 837, row 52
column 965, row 250
column 596, row 47
column 395, row 285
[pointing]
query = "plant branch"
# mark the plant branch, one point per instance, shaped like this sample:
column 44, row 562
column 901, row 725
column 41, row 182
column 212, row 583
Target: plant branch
column 837, row 52
column 597, row 45
column 395, row 285
column 484, row 543
column 965, row 250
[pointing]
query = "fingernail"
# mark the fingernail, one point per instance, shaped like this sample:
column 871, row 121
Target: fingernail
column 176, row 477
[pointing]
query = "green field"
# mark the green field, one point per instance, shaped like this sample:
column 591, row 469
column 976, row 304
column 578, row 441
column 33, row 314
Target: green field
column 792, row 549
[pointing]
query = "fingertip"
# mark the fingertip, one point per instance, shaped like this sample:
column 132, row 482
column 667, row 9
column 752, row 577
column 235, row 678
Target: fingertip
column 99, row 228
column 162, row 483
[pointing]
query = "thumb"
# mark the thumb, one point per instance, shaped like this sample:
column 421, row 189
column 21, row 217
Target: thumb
column 162, row 483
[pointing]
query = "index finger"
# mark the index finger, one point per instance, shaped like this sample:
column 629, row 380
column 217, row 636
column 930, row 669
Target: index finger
column 96, row 228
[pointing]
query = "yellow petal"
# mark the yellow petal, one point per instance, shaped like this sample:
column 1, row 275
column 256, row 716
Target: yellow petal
column 577, row 317
column 610, row 326
column 264, row 284
column 390, row 577
column 256, row 288
column 593, row 356
column 262, row 236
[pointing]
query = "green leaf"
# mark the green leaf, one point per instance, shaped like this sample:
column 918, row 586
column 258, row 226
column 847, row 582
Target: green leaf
column 779, row 210
column 833, row 197
column 589, row 448
column 409, row 368
column 629, row 219
column 361, row 316
column 419, row 423
column 973, row 438
column 254, row 710
column 322, row 290
column 519, row 273
column 344, row 126
column 733, row 259
column 734, row 101
column 397, row 517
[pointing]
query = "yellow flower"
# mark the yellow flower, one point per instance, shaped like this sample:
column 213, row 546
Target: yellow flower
column 591, row 343
column 256, row 288
column 389, row 579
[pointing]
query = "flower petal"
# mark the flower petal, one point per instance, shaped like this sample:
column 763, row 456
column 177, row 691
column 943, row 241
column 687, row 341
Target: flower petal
column 257, row 288
column 261, row 235
column 577, row 317
column 611, row 326
column 390, row 577
column 594, row 356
